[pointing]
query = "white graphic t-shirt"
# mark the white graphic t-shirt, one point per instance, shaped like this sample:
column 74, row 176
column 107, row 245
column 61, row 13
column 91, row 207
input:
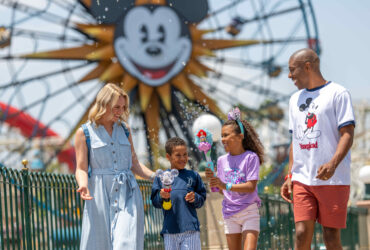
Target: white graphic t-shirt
column 315, row 117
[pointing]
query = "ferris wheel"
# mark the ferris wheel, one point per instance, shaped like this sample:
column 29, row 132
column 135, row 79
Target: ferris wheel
column 175, row 58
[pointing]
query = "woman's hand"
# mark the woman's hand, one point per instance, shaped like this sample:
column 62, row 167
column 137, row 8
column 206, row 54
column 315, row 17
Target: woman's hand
column 164, row 194
column 216, row 182
column 84, row 193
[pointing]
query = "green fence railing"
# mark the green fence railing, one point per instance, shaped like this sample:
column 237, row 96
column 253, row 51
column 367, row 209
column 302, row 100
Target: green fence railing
column 277, row 223
column 38, row 210
column 43, row 211
column 278, row 231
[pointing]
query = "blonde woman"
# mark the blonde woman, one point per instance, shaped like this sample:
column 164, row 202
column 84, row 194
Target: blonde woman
column 113, row 216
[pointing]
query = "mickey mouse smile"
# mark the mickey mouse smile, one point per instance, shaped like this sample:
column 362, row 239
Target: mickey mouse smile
column 154, row 73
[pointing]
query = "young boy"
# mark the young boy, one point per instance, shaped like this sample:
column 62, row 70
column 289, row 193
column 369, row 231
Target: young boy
column 180, row 226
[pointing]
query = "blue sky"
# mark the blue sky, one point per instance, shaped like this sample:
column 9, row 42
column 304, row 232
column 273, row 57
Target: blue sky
column 344, row 29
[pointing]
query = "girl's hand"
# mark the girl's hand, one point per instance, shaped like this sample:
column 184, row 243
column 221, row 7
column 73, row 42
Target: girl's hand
column 190, row 197
column 209, row 173
column 216, row 182
column 164, row 194
column 84, row 193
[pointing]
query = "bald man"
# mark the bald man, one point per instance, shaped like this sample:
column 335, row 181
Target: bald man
column 321, row 120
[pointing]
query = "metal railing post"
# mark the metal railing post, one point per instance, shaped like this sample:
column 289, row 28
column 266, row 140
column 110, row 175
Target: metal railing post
column 2, row 247
column 268, row 219
column 26, row 211
column 291, row 225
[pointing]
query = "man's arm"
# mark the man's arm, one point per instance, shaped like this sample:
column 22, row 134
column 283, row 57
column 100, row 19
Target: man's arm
column 326, row 171
column 286, row 188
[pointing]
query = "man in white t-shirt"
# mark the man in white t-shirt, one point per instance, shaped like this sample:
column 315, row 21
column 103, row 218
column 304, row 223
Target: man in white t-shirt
column 321, row 120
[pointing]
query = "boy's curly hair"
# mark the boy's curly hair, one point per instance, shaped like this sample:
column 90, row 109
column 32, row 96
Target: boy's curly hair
column 173, row 142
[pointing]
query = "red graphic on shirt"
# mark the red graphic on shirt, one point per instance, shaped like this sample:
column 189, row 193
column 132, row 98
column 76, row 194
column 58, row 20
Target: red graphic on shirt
column 309, row 145
column 307, row 131
column 311, row 120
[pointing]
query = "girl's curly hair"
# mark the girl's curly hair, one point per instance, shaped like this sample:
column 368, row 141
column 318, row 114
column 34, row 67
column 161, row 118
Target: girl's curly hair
column 251, row 140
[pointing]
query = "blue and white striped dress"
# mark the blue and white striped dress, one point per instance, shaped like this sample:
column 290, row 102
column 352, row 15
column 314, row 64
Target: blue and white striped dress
column 114, row 218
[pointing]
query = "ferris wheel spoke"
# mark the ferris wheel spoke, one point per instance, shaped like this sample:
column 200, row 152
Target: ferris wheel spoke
column 236, row 62
column 18, row 32
column 266, row 16
column 258, row 42
column 32, row 12
column 70, row 6
column 261, row 21
column 79, row 123
column 231, row 98
column 42, row 100
column 273, row 14
column 70, row 107
column 238, row 82
column 42, row 76
column 224, row 8
column 282, row 41
column 226, row 97
column 41, row 14
column 77, row 9
column 291, row 35
column 263, row 25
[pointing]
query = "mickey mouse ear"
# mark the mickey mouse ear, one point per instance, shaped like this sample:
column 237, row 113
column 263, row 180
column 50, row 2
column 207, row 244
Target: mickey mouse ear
column 234, row 114
column 108, row 11
column 302, row 107
column 308, row 101
column 193, row 10
column 174, row 172
column 159, row 172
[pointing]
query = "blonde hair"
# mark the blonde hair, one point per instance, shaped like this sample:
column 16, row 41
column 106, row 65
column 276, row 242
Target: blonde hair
column 107, row 98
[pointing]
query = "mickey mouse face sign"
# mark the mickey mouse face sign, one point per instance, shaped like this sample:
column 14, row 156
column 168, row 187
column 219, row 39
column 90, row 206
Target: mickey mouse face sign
column 151, row 42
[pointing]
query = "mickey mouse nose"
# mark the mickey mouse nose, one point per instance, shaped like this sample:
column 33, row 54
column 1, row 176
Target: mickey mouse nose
column 153, row 51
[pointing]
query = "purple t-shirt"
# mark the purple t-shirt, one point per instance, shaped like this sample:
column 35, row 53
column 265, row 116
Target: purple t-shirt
column 237, row 169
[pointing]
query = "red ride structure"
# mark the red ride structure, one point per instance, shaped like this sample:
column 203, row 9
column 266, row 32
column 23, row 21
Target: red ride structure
column 29, row 127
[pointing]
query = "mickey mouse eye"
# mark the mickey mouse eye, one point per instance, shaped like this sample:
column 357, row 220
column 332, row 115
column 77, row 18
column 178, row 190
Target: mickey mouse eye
column 144, row 30
column 162, row 33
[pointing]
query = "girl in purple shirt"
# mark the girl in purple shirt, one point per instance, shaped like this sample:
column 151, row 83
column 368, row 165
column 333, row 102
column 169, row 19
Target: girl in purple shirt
column 237, row 176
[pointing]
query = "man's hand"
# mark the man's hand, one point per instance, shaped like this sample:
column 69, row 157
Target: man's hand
column 84, row 193
column 326, row 171
column 190, row 197
column 164, row 194
column 286, row 190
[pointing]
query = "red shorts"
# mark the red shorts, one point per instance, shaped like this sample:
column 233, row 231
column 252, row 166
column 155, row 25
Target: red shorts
column 326, row 204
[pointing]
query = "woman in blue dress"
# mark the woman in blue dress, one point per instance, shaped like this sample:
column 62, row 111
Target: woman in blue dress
column 113, row 216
